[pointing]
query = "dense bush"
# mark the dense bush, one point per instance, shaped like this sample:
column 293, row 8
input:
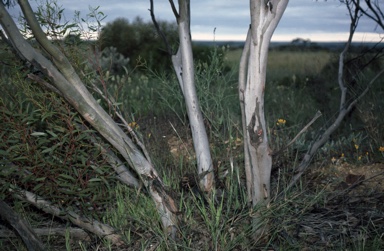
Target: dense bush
column 48, row 149
column 140, row 42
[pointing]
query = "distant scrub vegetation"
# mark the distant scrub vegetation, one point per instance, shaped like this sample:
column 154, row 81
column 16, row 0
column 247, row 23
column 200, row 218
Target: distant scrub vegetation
column 140, row 42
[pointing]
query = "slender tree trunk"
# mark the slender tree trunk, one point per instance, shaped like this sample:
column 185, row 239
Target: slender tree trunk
column 265, row 16
column 184, row 68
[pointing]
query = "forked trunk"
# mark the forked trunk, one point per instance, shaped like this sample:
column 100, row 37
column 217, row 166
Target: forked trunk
column 265, row 16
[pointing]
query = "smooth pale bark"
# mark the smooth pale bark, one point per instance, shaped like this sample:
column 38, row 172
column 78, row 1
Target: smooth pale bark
column 184, row 68
column 65, row 79
column 265, row 16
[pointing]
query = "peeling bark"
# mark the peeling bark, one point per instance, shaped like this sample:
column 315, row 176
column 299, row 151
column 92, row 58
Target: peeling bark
column 265, row 16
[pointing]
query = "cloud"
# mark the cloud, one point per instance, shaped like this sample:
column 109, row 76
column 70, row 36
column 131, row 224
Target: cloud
column 230, row 18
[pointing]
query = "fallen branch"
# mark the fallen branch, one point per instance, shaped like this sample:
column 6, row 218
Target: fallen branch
column 22, row 227
column 76, row 233
column 100, row 229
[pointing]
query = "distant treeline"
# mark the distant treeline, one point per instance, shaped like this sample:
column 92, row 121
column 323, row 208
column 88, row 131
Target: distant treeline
column 292, row 45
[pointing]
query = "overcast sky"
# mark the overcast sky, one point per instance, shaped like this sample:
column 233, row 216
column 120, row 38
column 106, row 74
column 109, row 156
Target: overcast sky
column 309, row 19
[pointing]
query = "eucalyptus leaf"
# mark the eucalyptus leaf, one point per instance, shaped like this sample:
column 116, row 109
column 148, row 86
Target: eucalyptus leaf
column 38, row 134
column 66, row 176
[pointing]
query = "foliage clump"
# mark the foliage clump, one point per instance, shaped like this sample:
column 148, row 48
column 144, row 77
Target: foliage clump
column 139, row 41
column 46, row 148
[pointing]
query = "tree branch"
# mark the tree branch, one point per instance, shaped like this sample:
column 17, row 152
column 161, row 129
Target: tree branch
column 112, row 103
column 100, row 229
column 40, row 35
column 377, row 16
column 159, row 31
column 174, row 10
column 76, row 233
column 44, row 83
column 344, row 108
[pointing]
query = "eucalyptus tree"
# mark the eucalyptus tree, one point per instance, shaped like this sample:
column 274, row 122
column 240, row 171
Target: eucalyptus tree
column 66, row 82
column 265, row 16
column 183, row 66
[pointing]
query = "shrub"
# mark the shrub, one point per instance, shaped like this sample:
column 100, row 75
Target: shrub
column 139, row 41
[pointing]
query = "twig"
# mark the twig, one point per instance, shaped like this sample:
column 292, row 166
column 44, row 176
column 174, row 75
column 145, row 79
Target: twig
column 159, row 31
column 377, row 17
column 317, row 115
column 112, row 102
column 174, row 10
column 122, row 171
column 178, row 135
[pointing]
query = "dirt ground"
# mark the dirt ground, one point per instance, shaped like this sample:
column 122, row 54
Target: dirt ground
column 351, row 213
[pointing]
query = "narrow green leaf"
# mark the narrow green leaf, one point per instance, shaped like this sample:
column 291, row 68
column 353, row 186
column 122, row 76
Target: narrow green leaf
column 66, row 176
column 38, row 134
column 52, row 133
column 48, row 150
column 95, row 180
column 38, row 186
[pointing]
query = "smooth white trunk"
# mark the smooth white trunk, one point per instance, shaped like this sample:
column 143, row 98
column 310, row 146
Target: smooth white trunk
column 184, row 68
column 265, row 16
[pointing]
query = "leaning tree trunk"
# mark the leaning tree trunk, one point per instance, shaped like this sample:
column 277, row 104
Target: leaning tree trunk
column 184, row 68
column 65, row 79
column 265, row 16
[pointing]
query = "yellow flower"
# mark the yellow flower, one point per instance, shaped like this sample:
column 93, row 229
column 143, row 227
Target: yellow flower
column 357, row 147
column 381, row 149
column 342, row 155
column 359, row 158
column 133, row 125
column 281, row 122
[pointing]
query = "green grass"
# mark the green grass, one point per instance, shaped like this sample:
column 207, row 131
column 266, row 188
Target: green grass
column 286, row 64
